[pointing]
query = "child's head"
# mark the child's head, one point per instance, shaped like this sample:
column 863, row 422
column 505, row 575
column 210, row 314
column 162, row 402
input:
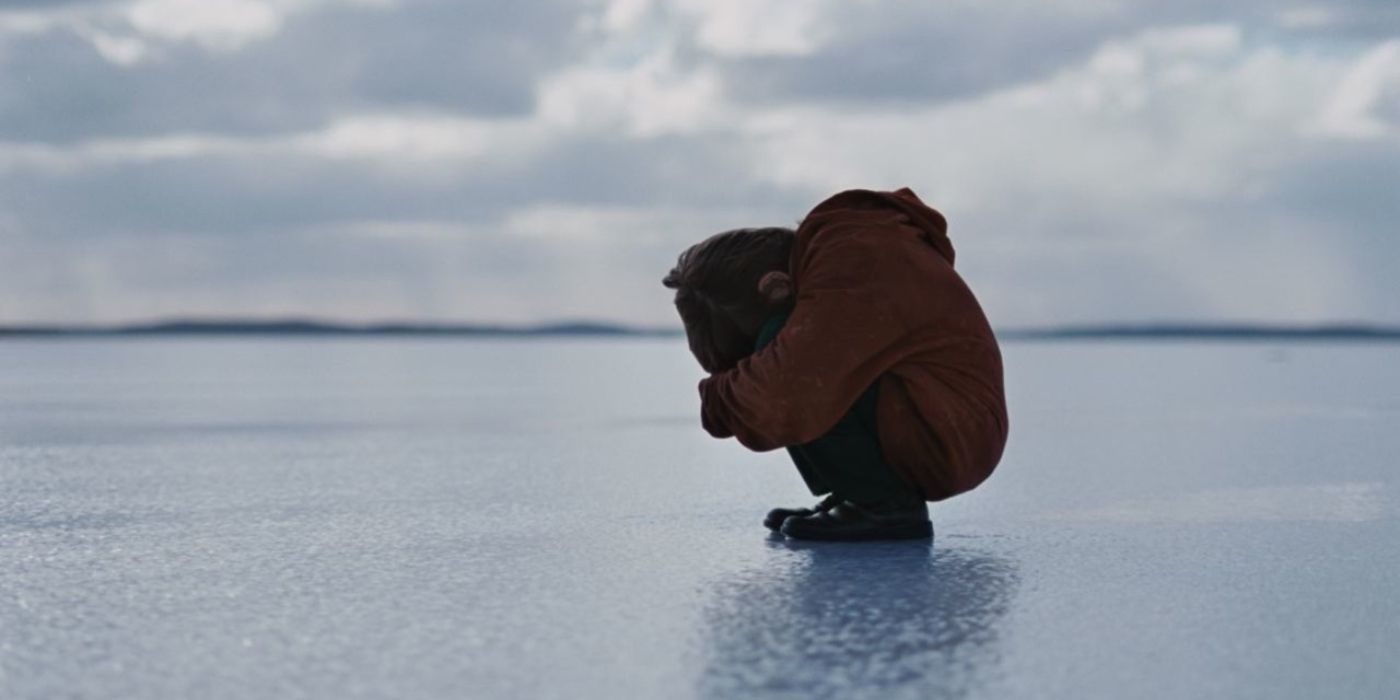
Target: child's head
column 726, row 286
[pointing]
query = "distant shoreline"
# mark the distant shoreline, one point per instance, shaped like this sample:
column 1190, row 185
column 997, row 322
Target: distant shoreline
column 1221, row 332
column 312, row 328
column 329, row 328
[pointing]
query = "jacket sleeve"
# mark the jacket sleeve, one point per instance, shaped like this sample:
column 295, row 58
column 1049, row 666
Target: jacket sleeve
column 841, row 336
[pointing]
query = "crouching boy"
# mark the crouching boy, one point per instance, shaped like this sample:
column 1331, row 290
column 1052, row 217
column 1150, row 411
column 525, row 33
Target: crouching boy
column 854, row 344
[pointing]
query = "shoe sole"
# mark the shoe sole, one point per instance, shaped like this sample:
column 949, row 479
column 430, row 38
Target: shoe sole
column 912, row 531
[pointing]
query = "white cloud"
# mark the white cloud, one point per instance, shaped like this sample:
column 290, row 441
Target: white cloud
column 1356, row 108
column 1307, row 17
column 1199, row 40
column 121, row 50
column 647, row 98
column 621, row 16
column 736, row 28
column 215, row 24
column 398, row 138
column 402, row 141
column 76, row 158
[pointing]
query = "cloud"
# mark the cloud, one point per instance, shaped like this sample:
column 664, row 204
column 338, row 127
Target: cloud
column 215, row 24
column 908, row 51
column 513, row 161
column 274, row 71
column 1171, row 174
column 1366, row 102
column 1359, row 19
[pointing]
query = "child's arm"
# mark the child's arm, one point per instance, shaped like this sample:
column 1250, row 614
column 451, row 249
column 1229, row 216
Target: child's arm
column 842, row 335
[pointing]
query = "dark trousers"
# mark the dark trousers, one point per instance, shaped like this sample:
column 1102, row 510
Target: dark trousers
column 847, row 460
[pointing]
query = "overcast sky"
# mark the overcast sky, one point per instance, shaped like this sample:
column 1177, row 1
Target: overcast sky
column 458, row 160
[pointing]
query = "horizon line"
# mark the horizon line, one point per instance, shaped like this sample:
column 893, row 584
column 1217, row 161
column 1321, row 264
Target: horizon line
column 305, row 326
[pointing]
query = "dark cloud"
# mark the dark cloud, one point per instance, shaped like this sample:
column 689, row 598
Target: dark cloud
column 480, row 58
column 917, row 52
column 1354, row 19
column 232, row 194
column 46, row 4
column 914, row 51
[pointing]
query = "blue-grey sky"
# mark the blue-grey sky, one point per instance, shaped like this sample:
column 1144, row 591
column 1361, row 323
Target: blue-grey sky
column 525, row 161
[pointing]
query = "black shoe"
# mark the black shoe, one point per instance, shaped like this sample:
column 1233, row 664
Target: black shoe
column 775, row 518
column 848, row 521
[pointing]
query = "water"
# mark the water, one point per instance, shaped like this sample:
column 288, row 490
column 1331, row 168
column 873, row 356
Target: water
column 482, row 519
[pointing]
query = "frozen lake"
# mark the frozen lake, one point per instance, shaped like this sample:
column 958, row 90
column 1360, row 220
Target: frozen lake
column 536, row 519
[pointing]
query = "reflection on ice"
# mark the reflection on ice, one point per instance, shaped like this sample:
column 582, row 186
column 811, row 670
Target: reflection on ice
column 1340, row 503
column 825, row 619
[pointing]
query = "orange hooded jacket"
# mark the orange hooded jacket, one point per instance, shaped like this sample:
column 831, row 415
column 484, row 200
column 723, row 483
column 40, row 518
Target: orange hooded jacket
column 877, row 299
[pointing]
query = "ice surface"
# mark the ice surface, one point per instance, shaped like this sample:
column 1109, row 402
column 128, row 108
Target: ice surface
column 509, row 519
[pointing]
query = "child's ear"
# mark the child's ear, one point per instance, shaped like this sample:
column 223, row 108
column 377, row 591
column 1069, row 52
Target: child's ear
column 775, row 286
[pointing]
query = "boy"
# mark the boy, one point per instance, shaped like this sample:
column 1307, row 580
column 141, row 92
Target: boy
column 853, row 343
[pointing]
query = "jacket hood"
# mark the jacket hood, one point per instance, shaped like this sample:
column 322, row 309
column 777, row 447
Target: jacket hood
column 903, row 201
